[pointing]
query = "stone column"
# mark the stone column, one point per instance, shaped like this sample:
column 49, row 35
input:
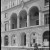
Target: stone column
column 9, row 40
column 41, row 18
column 28, row 20
column 18, row 21
column 28, row 40
column 9, row 25
column 2, row 40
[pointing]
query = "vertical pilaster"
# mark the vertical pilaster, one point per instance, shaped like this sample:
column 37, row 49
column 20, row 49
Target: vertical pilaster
column 28, row 20
column 28, row 40
column 41, row 18
column 18, row 21
column 2, row 40
column 9, row 25
column 9, row 40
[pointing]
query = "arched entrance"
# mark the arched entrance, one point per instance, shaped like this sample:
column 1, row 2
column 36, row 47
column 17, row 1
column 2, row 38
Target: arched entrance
column 23, row 18
column 46, row 38
column 13, row 21
column 23, row 39
column 34, row 16
column 6, row 40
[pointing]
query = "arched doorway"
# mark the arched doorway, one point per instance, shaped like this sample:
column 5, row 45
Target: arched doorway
column 6, row 40
column 23, row 18
column 34, row 16
column 23, row 39
column 46, row 38
column 13, row 21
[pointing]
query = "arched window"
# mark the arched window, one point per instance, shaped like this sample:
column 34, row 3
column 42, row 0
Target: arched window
column 46, row 35
column 34, row 16
column 13, row 21
column 23, row 18
column 46, row 38
column 6, row 40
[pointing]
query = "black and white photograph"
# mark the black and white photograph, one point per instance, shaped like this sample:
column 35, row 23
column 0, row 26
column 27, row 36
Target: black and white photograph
column 25, row 25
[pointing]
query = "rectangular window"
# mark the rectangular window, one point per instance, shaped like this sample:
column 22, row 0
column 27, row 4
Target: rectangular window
column 20, row 25
column 12, row 26
column 5, row 15
column 37, row 22
column 5, row 27
column 46, row 2
column 46, row 19
column 33, row 40
column 14, row 42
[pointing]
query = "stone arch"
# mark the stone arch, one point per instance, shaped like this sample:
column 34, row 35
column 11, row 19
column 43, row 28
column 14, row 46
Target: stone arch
column 34, row 16
column 13, row 21
column 46, row 38
column 23, row 39
column 23, row 18
column 6, row 40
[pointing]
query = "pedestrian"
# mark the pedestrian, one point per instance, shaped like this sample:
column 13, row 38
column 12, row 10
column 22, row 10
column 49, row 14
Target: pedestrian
column 36, row 47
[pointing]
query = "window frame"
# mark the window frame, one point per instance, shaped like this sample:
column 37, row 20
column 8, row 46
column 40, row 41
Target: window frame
column 46, row 19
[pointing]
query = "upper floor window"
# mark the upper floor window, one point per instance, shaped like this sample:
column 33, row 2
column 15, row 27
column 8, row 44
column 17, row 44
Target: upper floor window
column 37, row 22
column 5, row 15
column 46, row 18
column 46, row 2
column 6, row 26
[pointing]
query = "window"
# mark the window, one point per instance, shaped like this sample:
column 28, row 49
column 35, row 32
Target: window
column 13, row 3
column 5, row 15
column 46, row 2
column 33, row 33
column 12, row 26
column 6, row 40
column 37, row 22
column 26, row 24
column 46, row 18
column 5, row 27
column 14, row 41
column 33, row 40
column 24, row 39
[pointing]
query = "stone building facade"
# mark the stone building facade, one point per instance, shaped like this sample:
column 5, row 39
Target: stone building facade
column 24, row 23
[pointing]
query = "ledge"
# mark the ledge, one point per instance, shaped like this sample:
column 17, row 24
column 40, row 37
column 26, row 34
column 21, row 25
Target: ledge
column 21, row 47
column 37, row 26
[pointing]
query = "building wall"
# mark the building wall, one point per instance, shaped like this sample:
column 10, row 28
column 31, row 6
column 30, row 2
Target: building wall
column 38, row 30
column 26, row 7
